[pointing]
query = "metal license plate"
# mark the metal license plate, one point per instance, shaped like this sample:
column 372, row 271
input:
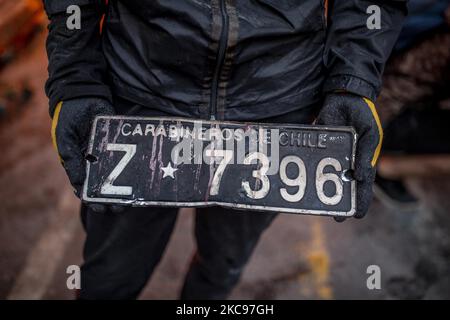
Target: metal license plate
column 193, row 163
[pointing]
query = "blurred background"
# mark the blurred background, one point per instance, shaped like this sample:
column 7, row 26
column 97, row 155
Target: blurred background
column 406, row 233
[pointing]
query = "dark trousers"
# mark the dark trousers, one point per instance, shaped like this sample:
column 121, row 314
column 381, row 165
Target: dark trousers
column 122, row 249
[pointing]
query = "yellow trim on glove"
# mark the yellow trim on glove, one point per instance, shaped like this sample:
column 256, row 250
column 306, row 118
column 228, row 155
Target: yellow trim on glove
column 54, row 125
column 380, row 131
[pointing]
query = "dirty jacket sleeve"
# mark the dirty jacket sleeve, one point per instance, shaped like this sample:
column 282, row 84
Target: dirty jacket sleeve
column 355, row 54
column 76, row 61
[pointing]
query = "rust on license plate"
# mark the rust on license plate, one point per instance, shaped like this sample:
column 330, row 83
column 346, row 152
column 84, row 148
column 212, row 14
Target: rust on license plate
column 192, row 163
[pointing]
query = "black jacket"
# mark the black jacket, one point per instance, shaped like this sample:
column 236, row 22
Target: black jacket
column 223, row 59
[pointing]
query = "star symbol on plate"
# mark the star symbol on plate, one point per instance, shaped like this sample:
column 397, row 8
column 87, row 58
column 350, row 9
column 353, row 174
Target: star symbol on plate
column 169, row 171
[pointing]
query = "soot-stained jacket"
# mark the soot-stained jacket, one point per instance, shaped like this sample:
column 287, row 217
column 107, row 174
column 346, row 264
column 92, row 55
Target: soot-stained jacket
column 222, row 59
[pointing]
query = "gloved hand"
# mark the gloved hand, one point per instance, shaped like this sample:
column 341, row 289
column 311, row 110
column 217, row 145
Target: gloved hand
column 346, row 109
column 71, row 125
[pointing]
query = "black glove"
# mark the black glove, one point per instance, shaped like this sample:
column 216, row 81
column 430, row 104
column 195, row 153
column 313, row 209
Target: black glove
column 71, row 125
column 345, row 109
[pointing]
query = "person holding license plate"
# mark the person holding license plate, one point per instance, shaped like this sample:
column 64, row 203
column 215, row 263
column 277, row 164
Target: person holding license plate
column 241, row 109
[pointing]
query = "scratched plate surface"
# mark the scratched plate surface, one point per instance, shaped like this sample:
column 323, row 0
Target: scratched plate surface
column 185, row 163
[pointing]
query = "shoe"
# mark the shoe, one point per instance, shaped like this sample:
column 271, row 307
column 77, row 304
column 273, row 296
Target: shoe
column 394, row 193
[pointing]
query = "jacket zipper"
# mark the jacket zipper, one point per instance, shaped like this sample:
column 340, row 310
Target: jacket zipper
column 220, row 60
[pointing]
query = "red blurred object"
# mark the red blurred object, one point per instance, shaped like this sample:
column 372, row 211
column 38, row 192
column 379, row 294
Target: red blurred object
column 19, row 22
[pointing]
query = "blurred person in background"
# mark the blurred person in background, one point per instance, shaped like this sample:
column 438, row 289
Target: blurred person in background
column 414, row 104
column 262, row 61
